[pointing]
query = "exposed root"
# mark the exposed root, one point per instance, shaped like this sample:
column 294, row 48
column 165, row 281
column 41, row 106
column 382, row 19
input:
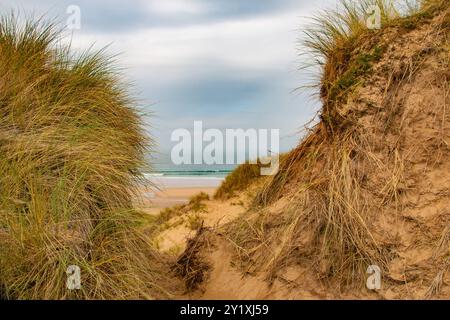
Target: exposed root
column 191, row 264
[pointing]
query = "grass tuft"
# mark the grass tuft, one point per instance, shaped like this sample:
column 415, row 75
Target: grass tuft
column 71, row 154
column 341, row 47
column 239, row 179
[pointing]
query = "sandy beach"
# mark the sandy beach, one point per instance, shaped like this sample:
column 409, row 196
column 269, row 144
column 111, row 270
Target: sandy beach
column 163, row 192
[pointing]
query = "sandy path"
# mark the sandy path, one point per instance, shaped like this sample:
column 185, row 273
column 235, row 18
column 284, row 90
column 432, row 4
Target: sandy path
column 226, row 281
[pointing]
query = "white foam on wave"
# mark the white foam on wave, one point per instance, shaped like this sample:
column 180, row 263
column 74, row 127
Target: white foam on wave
column 186, row 181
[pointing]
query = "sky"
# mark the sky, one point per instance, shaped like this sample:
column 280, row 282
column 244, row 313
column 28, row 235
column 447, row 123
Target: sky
column 229, row 63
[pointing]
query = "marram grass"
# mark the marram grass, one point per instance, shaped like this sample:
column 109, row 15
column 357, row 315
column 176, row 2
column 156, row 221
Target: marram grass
column 329, row 41
column 71, row 152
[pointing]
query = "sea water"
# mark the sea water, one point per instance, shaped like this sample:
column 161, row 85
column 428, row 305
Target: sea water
column 195, row 176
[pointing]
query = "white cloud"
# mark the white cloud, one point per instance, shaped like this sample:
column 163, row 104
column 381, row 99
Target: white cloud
column 172, row 7
column 261, row 43
column 163, row 57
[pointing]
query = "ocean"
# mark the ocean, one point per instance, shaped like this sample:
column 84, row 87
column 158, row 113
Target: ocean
column 188, row 176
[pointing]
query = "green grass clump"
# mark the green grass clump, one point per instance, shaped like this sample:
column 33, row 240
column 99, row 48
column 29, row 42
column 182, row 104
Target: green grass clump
column 195, row 222
column 361, row 65
column 196, row 202
column 336, row 37
column 71, row 152
column 333, row 35
column 238, row 180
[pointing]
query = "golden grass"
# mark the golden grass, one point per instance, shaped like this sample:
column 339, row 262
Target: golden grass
column 324, row 217
column 239, row 179
column 71, row 152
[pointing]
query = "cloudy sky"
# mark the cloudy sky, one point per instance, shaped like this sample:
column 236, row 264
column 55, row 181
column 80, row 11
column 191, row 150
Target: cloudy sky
column 229, row 63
